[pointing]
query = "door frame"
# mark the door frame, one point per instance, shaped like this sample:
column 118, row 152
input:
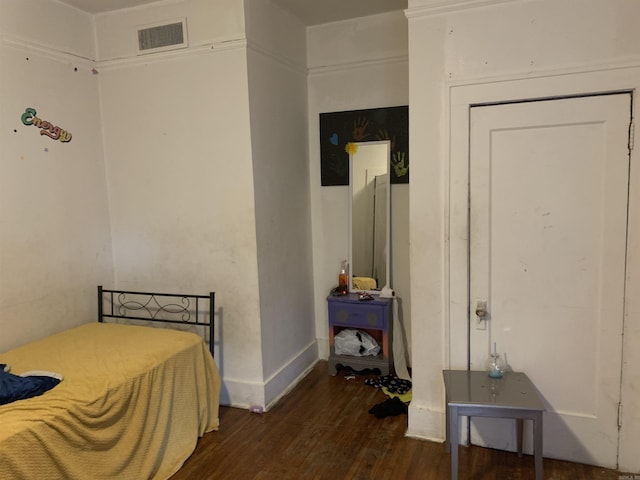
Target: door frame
column 457, row 307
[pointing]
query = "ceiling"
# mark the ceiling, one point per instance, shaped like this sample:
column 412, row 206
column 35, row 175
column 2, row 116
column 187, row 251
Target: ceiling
column 310, row 12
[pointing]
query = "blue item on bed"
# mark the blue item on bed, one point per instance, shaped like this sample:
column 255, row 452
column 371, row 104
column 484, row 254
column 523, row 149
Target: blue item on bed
column 14, row 387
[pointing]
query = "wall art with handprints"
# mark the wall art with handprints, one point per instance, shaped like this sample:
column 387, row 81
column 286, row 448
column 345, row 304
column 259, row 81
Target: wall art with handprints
column 339, row 128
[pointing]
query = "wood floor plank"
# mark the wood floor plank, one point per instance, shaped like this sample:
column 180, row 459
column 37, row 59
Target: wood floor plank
column 322, row 430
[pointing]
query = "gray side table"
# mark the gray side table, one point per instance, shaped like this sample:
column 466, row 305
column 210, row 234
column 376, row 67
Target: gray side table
column 474, row 394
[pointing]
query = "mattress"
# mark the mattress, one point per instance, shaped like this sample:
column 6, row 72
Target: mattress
column 132, row 404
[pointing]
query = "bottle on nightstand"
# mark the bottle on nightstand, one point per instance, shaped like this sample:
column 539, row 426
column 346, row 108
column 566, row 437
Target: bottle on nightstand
column 343, row 279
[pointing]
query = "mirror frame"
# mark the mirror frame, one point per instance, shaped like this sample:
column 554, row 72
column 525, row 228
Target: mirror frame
column 387, row 280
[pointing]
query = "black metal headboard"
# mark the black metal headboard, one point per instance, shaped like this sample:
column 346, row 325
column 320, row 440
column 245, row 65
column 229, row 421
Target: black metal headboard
column 158, row 307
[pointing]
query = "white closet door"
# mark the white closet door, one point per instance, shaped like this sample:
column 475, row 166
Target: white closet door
column 548, row 223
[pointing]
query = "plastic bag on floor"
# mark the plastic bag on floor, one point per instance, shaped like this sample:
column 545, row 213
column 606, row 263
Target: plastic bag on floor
column 356, row 343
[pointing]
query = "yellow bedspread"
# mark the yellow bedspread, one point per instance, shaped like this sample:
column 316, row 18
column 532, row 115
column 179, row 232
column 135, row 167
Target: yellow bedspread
column 132, row 404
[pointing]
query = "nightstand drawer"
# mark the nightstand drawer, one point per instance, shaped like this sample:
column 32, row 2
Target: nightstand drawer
column 350, row 315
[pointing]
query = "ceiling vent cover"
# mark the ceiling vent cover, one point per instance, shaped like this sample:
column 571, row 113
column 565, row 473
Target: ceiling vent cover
column 161, row 37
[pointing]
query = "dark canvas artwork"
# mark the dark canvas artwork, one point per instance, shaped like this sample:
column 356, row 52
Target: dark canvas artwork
column 339, row 128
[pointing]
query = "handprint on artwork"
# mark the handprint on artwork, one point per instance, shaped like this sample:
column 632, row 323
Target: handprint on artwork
column 398, row 160
column 360, row 126
column 384, row 135
column 339, row 169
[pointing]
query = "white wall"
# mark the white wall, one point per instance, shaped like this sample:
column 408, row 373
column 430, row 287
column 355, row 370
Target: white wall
column 353, row 65
column 51, row 27
column 54, row 225
column 208, row 179
column 522, row 49
column 179, row 168
column 277, row 75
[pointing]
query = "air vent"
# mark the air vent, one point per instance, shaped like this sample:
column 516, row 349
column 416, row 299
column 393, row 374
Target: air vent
column 161, row 37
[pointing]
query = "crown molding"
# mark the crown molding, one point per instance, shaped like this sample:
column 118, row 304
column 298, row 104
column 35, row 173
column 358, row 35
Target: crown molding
column 68, row 57
column 171, row 54
column 273, row 55
column 343, row 67
column 440, row 7
column 47, row 51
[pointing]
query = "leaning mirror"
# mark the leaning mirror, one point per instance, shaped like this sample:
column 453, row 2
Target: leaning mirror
column 369, row 216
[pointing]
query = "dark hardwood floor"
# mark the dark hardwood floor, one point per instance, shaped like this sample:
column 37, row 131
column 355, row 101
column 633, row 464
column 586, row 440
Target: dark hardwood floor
column 322, row 430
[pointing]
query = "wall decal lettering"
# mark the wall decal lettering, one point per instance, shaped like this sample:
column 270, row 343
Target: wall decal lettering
column 46, row 128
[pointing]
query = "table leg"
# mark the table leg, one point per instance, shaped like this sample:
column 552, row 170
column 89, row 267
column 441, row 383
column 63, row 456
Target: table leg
column 453, row 440
column 447, row 429
column 519, row 422
column 537, row 444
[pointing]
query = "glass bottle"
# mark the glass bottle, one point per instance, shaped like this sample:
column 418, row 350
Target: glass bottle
column 343, row 279
column 495, row 367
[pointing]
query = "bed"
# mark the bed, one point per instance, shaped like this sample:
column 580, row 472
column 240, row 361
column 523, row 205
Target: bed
column 133, row 400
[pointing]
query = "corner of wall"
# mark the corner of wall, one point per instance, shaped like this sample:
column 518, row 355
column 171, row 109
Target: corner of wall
column 425, row 423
